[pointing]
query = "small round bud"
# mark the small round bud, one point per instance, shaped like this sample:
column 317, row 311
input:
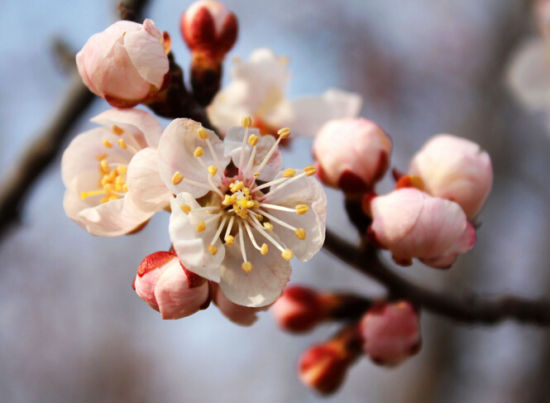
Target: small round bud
column 125, row 64
column 456, row 169
column 413, row 224
column 170, row 288
column 352, row 154
column 298, row 309
column 390, row 332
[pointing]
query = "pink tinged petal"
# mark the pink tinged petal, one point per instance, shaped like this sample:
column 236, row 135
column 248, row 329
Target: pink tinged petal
column 192, row 246
column 239, row 314
column 146, row 51
column 351, row 153
column 258, row 288
column 529, row 74
column 456, row 169
column 145, row 186
column 309, row 114
column 175, row 293
column 306, row 190
column 176, row 148
column 148, row 274
column 391, row 332
column 142, row 125
column 113, row 218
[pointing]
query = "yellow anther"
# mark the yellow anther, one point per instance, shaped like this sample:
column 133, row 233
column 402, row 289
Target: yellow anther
column 289, row 173
column 264, row 249
column 104, row 166
column 302, row 209
column 253, row 140
column 108, row 187
column 119, row 181
column 300, row 234
column 236, row 186
column 246, row 122
column 186, row 208
column 177, row 178
column 198, row 152
column 122, row 144
column 202, row 133
column 101, row 157
column 284, row 132
column 227, row 201
column 112, row 197
column 310, row 170
column 84, row 195
column 229, row 239
column 212, row 170
column 247, row 267
column 125, row 188
column 287, row 254
column 256, row 174
column 117, row 130
column 201, row 227
column 259, row 217
column 121, row 170
column 268, row 226
column 212, row 249
column 107, row 143
column 250, row 204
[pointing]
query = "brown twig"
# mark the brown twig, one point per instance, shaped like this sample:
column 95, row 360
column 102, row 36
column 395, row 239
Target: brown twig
column 43, row 151
column 467, row 308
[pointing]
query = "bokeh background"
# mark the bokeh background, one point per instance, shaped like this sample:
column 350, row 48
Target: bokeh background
column 73, row 330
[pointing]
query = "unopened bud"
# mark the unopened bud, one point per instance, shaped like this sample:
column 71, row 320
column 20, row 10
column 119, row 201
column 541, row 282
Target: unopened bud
column 323, row 367
column 170, row 288
column 391, row 332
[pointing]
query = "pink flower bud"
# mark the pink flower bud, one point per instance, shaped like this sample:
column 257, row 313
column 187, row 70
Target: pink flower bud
column 125, row 64
column 541, row 9
column 413, row 224
column 455, row 169
column 352, row 154
column 170, row 288
column 208, row 27
column 298, row 309
column 323, row 367
column 390, row 332
column 239, row 314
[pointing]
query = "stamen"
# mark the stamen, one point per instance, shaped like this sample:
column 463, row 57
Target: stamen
column 107, row 143
column 104, row 167
column 186, row 208
column 201, row 227
column 287, row 254
column 202, row 133
column 289, row 173
column 229, row 239
column 199, row 151
column 84, row 195
column 177, row 178
column 259, row 228
column 101, row 157
column 277, row 207
column 253, row 140
column 301, row 209
column 268, row 226
column 117, row 130
column 212, row 170
column 251, row 236
column 284, row 132
column 212, row 249
column 308, row 171
column 264, row 250
column 246, row 123
column 300, row 233
column 246, row 266
column 122, row 144
column 218, row 231
column 278, row 221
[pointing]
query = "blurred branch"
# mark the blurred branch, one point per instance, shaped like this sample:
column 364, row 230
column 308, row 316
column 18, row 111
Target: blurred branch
column 468, row 308
column 44, row 149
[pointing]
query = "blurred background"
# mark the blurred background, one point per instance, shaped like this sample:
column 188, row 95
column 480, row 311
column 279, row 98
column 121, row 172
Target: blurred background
column 73, row 330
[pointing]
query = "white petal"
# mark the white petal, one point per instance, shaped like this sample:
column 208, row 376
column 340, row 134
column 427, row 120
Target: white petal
column 136, row 122
column 192, row 246
column 529, row 74
column 229, row 106
column 262, row 285
column 113, row 218
column 306, row 190
column 176, row 148
column 145, row 187
column 310, row 113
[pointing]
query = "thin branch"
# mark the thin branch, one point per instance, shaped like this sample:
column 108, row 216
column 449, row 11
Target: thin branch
column 468, row 308
column 44, row 150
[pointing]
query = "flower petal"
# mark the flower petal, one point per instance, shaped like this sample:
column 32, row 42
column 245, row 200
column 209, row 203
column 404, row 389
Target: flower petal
column 239, row 314
column 310, row 113
column 306, row 190
column 192, row 246
column 262, row 285
column 145, row 186
column 176, row 147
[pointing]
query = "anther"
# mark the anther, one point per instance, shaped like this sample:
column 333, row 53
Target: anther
column 199, row 151
column 246, row 122
column 121, row 170
column 107, row 143
column 104, row 166
column 117, row 130
column 268, row 226
column 302, row 209
column 264, row 249
column 201, row 227
column 186, row 208
column 212, row 249
column 202, row 133
column 300, row 234
column 253, row 140
column 289, row 173
column 212, row 170
column 310, row 170
column 177, row 178
column 284, row 132
column 101, row 157
column 287, row 254
column 229, row 239
column 247, row 267
column 122, row 144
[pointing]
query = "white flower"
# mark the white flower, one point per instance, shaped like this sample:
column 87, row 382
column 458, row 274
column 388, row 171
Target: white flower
column 111, row 173
column 258, row 89
column 236, row 219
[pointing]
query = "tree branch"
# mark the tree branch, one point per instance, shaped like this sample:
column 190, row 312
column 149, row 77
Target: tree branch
column 469, row 308
column 44, row 150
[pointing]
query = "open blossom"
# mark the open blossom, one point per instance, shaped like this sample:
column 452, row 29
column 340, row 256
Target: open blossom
column 352, row 154
column 125, row 64
column 390, row 332
column 456, row 169
column 258, row 89
column 413, row 224
column 170, row 288
column 111, row 173
column 236, row 219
